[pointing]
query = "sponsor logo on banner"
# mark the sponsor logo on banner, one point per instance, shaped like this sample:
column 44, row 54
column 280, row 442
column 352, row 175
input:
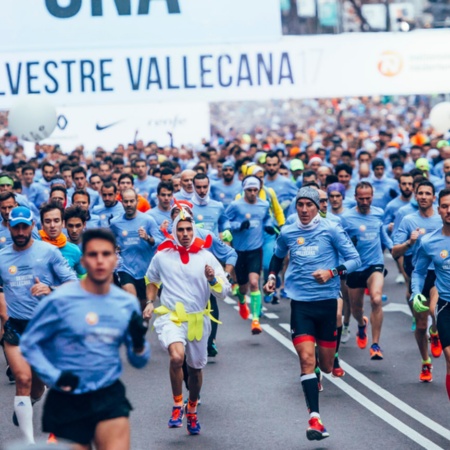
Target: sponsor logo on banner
column 390, row 64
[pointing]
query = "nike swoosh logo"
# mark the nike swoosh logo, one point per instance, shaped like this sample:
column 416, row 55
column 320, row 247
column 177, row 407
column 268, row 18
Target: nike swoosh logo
column 104, row 127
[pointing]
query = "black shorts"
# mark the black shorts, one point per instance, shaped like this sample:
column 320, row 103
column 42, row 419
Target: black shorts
column 357, row 280
column 430, row 279
column 408, row 265
column 314, row 321
column 74, row 417
column 13, row 329
column 248, row 262
column 442, row 314
column 126, row 278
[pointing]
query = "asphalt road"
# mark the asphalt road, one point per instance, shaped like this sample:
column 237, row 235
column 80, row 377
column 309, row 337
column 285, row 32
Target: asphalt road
column 252, row 396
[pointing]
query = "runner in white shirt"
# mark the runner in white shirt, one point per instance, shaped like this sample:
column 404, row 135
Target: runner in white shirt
column 184, row 321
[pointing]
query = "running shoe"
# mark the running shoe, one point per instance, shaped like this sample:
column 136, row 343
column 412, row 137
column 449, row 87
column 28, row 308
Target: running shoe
column 337, row 371
column 193, row 425
column 176, row 421
column 375, row 352
column 244, row 311
column 10, row 375
column 199, row 401
column 362, row 340
column 435, row 344
column 275, row 300
column 400, row 279
column 256, row 327
column 268, row 298
column 212, row 350
column 316, row 431
column 345, row 336
column 52, row 439
column 426, row 375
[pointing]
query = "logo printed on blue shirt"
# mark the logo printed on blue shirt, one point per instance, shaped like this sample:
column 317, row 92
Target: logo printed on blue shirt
column 124, row 233
column 444, row 254
column 362, row 228
column 200, row 217
column 12, row 270
column 92, row 318
column 300, row 241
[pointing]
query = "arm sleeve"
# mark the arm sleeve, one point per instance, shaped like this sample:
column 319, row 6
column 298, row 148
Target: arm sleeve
column 388, row 215
column 137, row 361
column 401, row 234
column 224, row 223
column 281, row 247
column 277, row 210
column 385, row 239
column 346, row 249
column 153, row 274
column 223, row 252
column 42, row 327
column 230, row 214
column 154, row 231
column 420, row 270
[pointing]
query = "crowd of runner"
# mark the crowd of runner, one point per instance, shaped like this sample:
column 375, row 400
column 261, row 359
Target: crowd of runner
column 94, row 247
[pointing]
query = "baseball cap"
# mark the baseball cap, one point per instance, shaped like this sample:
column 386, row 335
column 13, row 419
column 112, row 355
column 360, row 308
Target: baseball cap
column 423, row 164
column 20, row 214
column 296, row 164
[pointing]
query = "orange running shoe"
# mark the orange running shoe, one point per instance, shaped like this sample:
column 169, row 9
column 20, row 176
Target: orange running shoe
column 435, row 344
column 244, row 310
column 256, row 327
column 375, row 352
column 426, row 375
column 52, row 439
column 362, row 340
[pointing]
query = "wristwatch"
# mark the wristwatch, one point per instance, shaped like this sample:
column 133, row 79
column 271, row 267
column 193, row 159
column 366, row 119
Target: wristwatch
column 335, row 272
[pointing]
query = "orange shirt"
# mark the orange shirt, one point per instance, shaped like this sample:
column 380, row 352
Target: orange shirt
column 143, row 205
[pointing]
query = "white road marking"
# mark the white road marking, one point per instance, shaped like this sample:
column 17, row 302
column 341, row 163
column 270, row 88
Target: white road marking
column 229, row 300
column 271, row 316
column 361, row 399
column 397, row 307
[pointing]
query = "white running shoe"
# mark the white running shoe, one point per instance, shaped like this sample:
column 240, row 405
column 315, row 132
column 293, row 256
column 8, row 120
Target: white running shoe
column 400, row 279
column 345, row 336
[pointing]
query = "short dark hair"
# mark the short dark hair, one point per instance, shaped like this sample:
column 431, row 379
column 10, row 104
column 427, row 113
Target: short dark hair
column 47, row 164
column 330, row 179
column 7, row 195
column 94, row 175
column 79, row 169
column 75, row 211
column 97, row 233
column 126, row 175
column 311, row 184
column 28, row 167
column 405, row 175
column 138, row 160
column 82, row 192
column 200, row 176
column 109, row 185
column 362, row 185
column 443, row 193
column 377, row 162
column 309, row 173
column 167, row 171
column 272, row 154
column 50, row 206
column 58, row 188
column 363, row 153
column 344, row 167
column 426, row 183
column 164, row 185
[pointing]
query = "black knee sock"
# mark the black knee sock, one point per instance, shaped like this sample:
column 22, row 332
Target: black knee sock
column 185, row 374
column 311, row 391
column 214, row 325
column 338, row 340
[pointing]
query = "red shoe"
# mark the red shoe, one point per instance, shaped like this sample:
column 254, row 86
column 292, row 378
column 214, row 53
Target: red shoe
column 426, row 375
column 52, row 439
column 316, row 431
column 435, row 344
column 256, row 327
column 362, row 341
column 244, row 310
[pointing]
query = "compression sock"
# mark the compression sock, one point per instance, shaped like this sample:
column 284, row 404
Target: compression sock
column 241, row 297
column 428, row 361
column 178, row 400
column 338, row 340
column 447, row 385
column 255, row 302
column 192, row 406
column 311, row 392
column 24, row 414
column 336, row 361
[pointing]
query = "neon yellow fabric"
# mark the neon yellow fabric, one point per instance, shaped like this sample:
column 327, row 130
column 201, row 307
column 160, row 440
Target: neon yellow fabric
column 194, row 320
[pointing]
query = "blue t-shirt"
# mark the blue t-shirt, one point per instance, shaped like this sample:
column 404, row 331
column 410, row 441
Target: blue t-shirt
column 107, row 214
column 325, row 247
column 225, row 193
column 135, row 253
column 284, row 188
column 211, row 216
column 81, row 332
column 146, row 187
column 368, row 234
column 434, row 249
column 258, row 214
column 19, row 270
column 391, row 210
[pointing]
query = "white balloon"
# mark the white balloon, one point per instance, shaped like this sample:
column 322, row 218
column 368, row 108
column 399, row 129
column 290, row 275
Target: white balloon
column 440, row 117
column 32, row 118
